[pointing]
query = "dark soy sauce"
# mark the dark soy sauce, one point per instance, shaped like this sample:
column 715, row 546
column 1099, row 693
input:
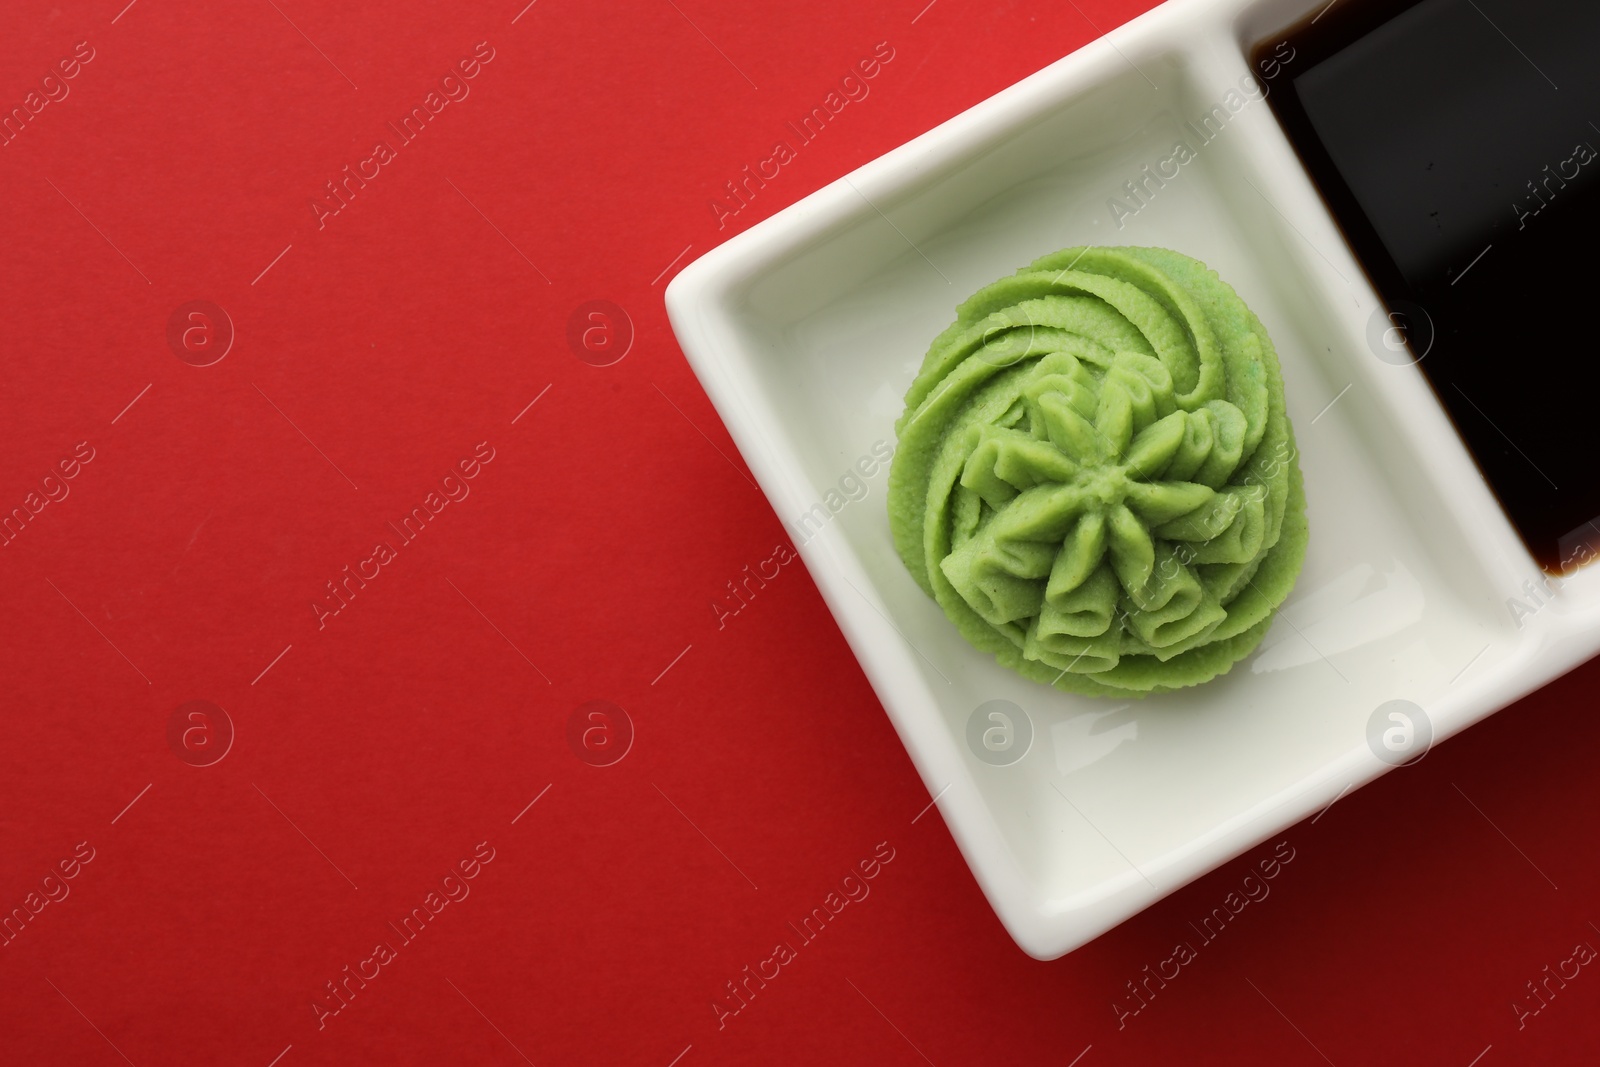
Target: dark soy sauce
column 1457, row 144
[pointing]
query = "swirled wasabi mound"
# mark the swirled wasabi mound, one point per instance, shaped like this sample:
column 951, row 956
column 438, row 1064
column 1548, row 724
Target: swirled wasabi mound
column 1096, row 478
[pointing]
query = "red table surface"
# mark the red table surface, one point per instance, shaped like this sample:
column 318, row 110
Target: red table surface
column 376, row 750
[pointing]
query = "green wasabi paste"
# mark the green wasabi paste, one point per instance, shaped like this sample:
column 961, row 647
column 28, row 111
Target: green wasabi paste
column 1096, row 478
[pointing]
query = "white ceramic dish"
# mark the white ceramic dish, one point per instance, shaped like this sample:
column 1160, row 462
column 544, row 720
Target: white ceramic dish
column 807, row 329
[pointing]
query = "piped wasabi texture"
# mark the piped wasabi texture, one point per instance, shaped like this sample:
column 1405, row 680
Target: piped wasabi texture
column 1096, row 478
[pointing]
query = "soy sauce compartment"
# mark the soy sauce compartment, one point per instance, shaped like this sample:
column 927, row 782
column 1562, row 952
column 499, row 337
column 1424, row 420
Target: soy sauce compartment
column 1452, row 142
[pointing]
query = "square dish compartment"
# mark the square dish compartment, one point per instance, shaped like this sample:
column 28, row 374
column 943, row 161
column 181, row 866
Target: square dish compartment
column 807, row 329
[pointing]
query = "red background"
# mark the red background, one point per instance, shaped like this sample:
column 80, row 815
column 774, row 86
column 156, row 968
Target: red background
column 380, row 750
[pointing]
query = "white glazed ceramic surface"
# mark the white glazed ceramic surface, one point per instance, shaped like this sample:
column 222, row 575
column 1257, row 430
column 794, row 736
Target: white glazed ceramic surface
column 807, row 329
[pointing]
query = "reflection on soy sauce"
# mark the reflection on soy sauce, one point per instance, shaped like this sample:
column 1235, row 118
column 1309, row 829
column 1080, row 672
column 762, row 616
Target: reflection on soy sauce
column 1453, row 142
